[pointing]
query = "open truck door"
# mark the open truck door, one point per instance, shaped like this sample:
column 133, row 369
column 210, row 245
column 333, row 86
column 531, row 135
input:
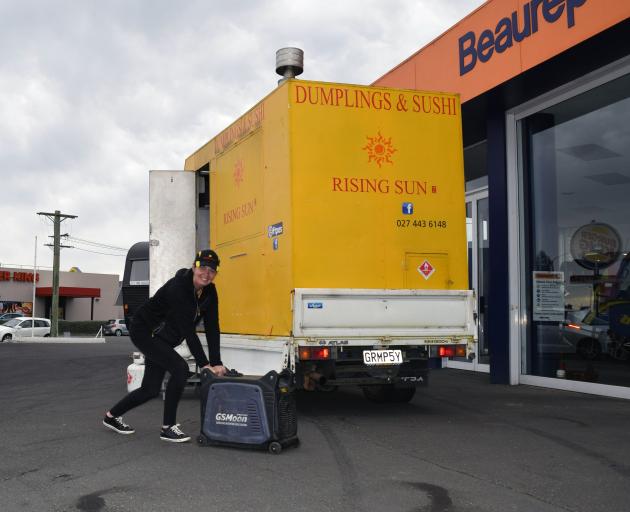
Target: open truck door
column 172, row 229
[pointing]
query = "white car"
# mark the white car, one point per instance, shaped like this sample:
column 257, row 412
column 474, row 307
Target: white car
column 22, row 327
column 587, row 332
column 116, row 327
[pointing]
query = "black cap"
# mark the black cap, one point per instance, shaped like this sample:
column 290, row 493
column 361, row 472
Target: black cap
column 207, row 258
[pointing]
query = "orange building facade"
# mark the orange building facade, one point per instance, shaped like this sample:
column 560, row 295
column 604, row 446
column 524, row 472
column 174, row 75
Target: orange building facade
column 545, row 91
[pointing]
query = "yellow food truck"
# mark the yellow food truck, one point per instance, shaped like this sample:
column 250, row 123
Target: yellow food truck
column 338, row 213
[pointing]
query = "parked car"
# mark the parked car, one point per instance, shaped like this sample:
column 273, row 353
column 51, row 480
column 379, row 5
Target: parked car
column 587, row 332
column 22, row 327
column 115, row 327
column 5, row 317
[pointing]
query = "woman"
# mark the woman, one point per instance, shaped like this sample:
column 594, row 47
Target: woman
column 162, row 323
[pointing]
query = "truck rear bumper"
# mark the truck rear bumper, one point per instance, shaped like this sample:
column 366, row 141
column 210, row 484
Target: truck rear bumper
column 415, row 380
column 414, row 373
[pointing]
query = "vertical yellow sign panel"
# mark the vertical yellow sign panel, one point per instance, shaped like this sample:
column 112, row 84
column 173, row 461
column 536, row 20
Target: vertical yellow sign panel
column 240, row 182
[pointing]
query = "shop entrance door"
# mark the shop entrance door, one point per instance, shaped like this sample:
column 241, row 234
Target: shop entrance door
column 477, row 234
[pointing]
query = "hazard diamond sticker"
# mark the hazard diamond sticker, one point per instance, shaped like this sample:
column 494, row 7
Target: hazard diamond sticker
column 426, row 269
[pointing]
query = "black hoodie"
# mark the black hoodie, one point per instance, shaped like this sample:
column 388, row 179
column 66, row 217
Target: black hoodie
column 174, row 311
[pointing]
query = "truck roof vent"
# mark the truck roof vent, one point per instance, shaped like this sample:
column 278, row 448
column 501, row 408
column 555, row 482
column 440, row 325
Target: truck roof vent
column 289, row 63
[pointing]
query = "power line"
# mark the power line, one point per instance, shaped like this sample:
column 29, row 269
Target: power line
column 21, row 265
column 94, row 244
column 96, row 252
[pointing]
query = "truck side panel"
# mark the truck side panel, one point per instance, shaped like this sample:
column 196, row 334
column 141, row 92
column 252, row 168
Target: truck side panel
column 251, row 213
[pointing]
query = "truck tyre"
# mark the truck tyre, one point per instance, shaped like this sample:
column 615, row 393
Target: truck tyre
column 389, row 393
column 403, row 395
column 6, row 337
column 118, row 332
column 376, row 394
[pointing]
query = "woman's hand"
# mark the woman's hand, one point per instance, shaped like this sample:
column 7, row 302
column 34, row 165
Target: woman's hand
column 219, row 370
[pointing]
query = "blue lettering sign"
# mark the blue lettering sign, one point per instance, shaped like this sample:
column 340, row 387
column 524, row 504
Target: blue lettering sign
column 508, row 30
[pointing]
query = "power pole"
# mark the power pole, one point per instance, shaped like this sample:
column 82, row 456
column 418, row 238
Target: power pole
column 57, row 218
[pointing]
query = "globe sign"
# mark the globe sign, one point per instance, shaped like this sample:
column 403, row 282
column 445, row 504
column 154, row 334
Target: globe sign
column 595, row 246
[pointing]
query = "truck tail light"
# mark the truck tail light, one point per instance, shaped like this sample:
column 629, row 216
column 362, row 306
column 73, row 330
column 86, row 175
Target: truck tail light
column 452, row 351
column 319, row 353
column 446, row 351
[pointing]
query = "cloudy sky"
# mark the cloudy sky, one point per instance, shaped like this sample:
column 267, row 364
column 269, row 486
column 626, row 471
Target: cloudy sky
column 93, row 94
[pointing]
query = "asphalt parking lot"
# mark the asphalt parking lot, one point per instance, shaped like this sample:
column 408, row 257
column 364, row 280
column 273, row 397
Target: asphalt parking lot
column 460, row 445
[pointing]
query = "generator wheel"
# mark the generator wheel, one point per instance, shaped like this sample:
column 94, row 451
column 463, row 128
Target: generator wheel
column 275, row 447
column 202, row 440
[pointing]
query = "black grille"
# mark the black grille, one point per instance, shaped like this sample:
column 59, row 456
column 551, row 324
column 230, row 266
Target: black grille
column 287, row 416
column 253, row 418
column 269, row 396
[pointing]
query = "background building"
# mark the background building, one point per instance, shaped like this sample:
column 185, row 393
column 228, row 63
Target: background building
column 82, row 296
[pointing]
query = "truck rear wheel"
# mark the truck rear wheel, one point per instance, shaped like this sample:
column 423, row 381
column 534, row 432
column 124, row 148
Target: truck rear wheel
column 389, row 393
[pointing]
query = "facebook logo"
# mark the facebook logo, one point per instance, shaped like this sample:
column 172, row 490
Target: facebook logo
column 407, row 208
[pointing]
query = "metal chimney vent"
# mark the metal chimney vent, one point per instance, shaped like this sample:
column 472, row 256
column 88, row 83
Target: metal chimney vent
column 289, row 63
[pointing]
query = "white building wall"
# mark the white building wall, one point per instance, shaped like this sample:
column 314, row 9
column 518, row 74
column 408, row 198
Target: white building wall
column 79, row 309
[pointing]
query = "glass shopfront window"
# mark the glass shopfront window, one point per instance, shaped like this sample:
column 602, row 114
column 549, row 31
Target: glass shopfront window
column 575, row 158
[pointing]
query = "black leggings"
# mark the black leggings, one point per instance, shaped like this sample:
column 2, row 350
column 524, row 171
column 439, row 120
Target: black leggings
column 159, row 357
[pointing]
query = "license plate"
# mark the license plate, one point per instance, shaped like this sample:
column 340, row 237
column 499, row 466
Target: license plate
column 382, row 357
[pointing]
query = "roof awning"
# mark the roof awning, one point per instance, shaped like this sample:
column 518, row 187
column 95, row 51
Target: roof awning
column 74, row 292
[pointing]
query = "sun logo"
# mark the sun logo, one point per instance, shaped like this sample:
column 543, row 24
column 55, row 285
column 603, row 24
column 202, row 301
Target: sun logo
column 239, row 173
column 379, row 149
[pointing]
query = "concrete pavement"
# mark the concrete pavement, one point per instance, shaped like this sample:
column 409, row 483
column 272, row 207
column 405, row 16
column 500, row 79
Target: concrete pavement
column 461, row 445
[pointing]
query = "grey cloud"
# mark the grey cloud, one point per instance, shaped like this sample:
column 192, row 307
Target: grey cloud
column 94, row 94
